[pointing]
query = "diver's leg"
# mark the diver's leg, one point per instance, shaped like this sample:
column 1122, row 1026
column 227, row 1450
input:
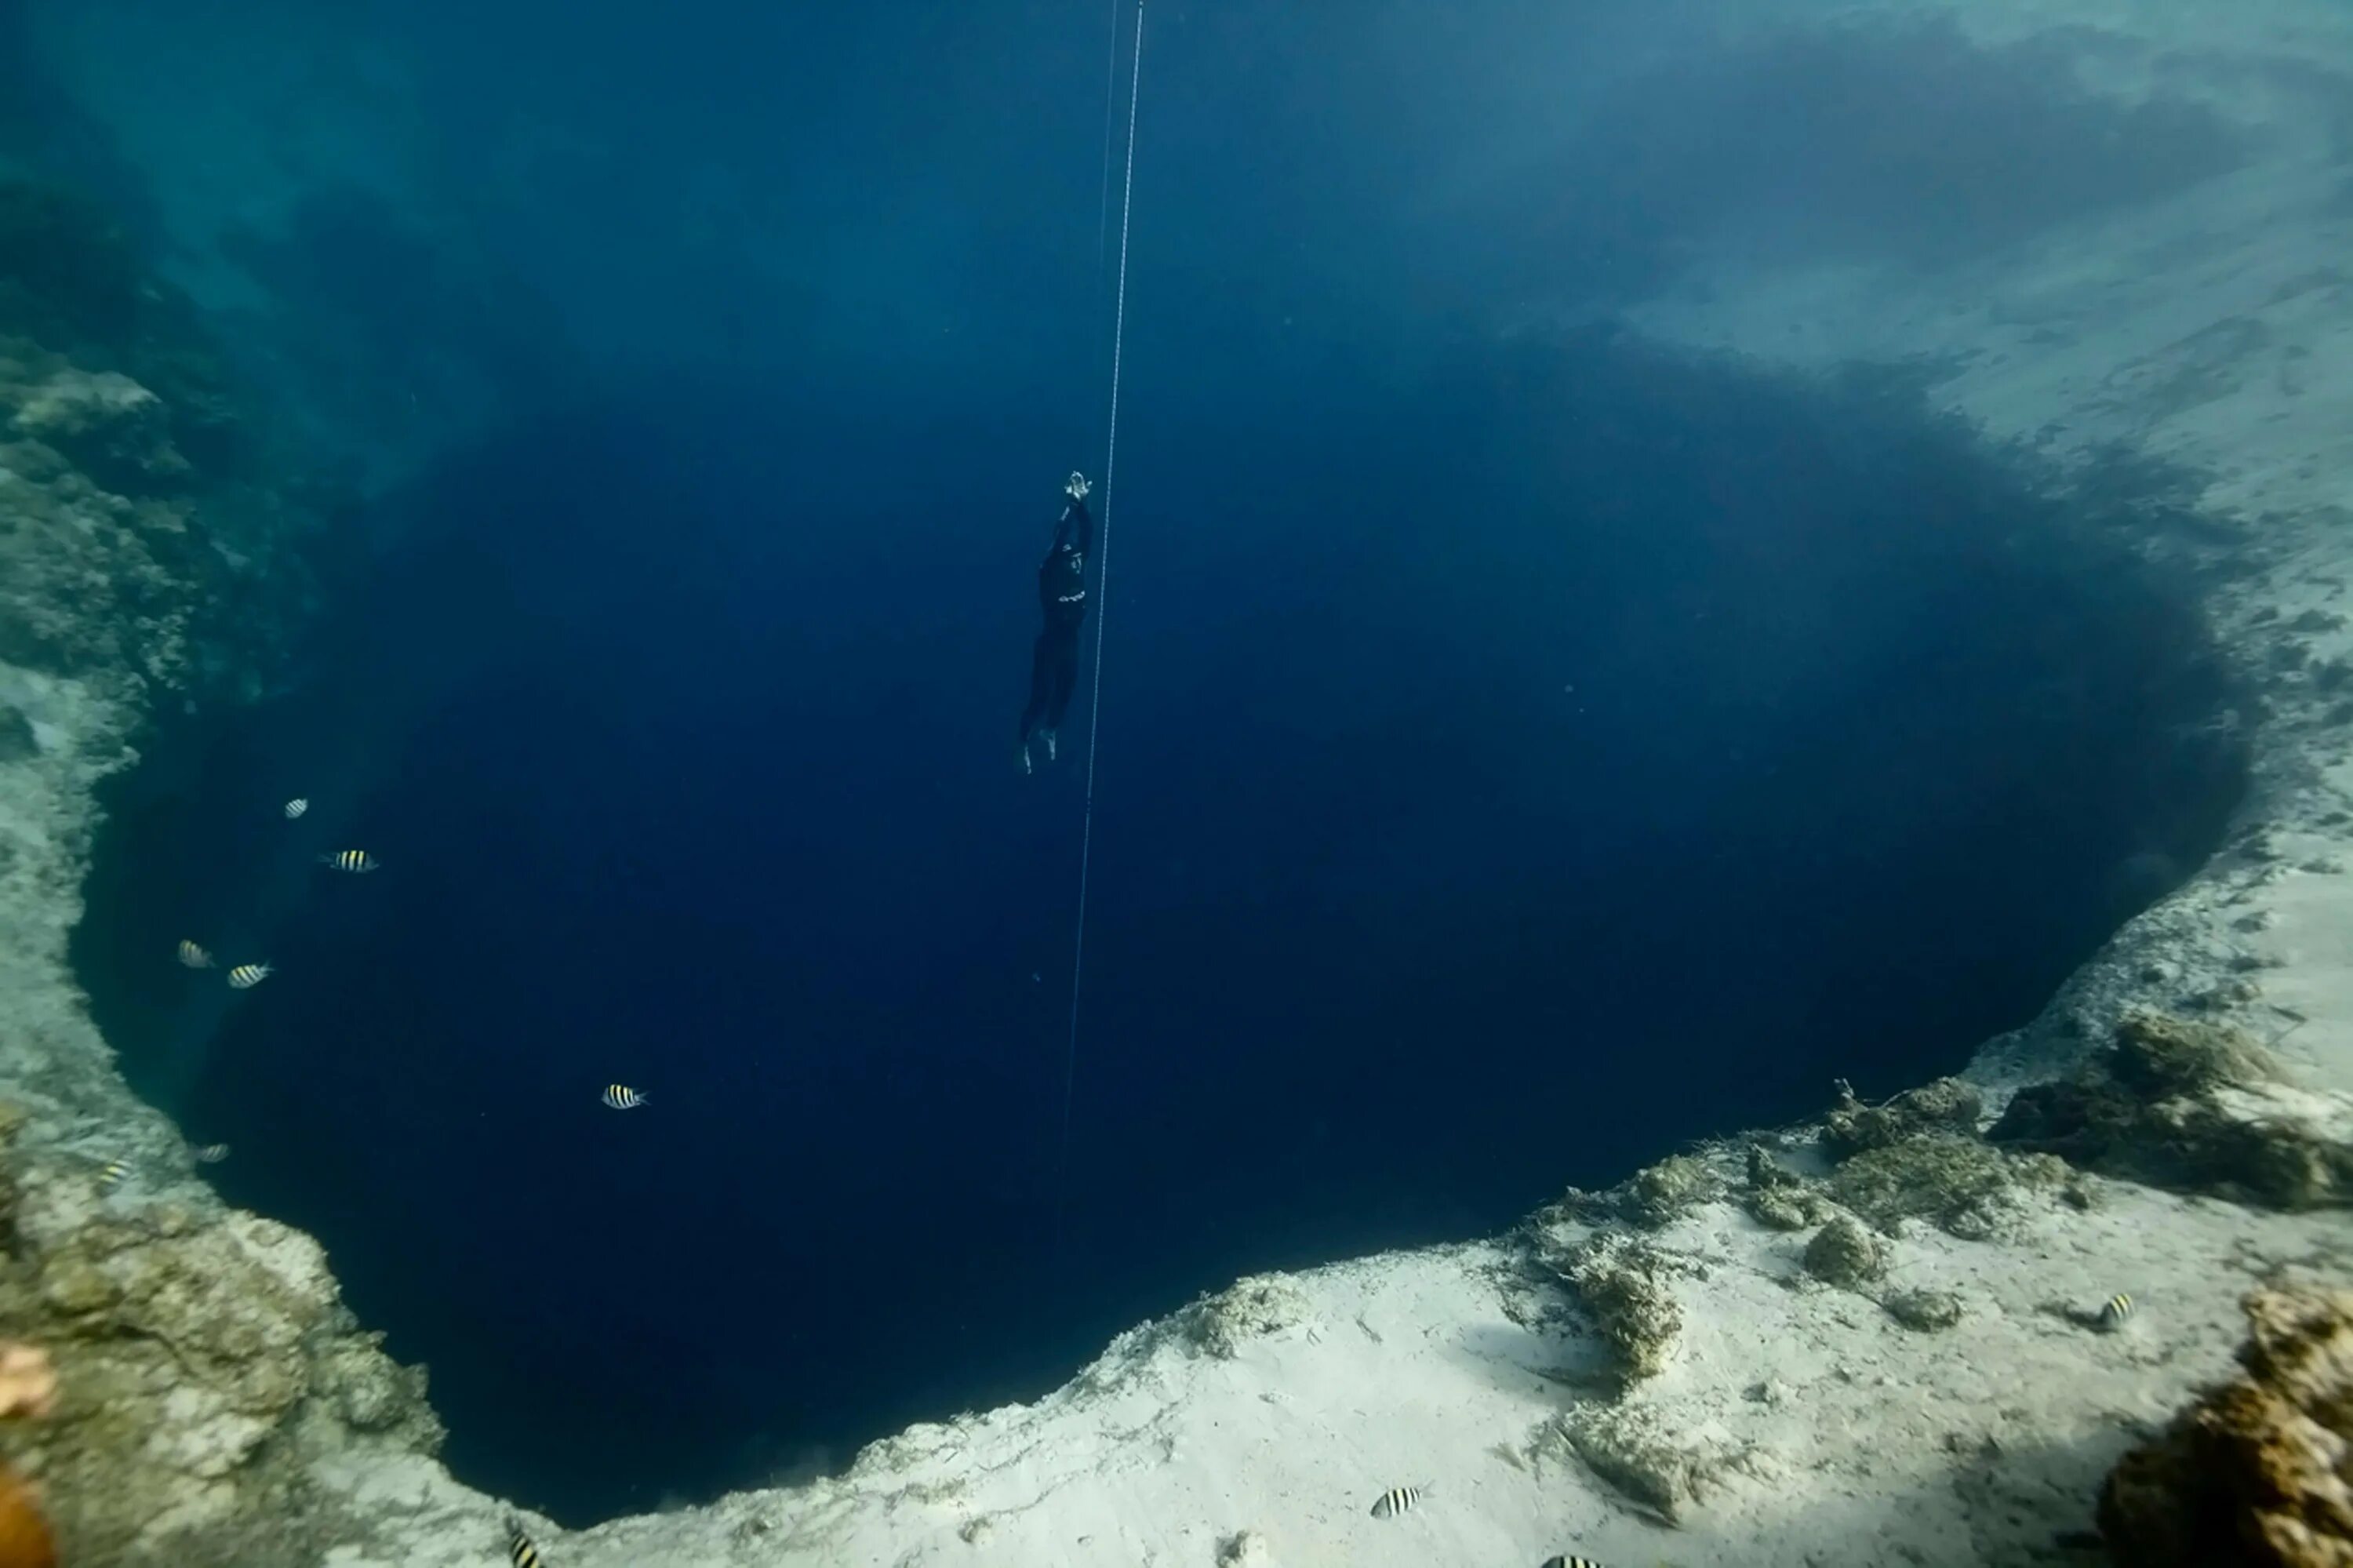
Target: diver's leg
column 1042, row 684
column 1065, row 681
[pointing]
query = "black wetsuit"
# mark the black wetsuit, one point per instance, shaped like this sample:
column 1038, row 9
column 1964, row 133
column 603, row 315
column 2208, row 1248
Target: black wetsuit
column 1062, row 594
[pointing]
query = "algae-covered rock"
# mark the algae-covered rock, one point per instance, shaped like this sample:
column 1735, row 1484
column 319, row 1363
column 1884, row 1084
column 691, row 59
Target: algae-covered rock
column 1782, row 1209
column 2156, row 1055
column 1948, row 1105
column 1623, row 1286
column 1957, row 1183
column 1926, row 1310
column 1658, row 1193
column 1253, row 1307
column 1845, row 1254
column 1779, row 1199
column 2187, row 1105
column 2260, row 1470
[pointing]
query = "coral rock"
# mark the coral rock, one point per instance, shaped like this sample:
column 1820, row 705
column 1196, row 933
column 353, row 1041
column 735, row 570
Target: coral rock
column 1658, row 1193
column 1250, row 1308
column 2189, row 1106
column 1948, row 1105
column 2260, row 1471
column 1926, row 1310
column 1842, row 1252
column 1623, row 1285
column 115, row 429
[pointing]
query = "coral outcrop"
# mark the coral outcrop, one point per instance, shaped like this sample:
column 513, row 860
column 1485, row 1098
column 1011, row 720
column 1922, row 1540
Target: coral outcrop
column 137, row 543
column 2185, row 1103
column 1948, row 1105
column 1248, row 1308
column 2259, row 1471
column 205, row 1362
column 1845, row 1254
column 205, row 1372
column 1623, row 1285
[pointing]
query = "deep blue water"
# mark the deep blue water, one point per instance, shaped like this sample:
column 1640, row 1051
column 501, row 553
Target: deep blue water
column 1520, row 753
column 1572, row 754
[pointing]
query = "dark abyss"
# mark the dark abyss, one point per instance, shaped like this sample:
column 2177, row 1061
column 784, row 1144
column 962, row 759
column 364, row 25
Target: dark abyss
column 1503, row 779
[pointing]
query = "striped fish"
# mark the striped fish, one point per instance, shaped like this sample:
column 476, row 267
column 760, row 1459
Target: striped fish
column 521, row 1550
column 620, row 1096
column 111, row 1175
column 295, row 807
column 1571, row 1563
column 212, row 1154
column 245, row 977
column 2116, row 1312
column 193, row 957
column 350, row 859
column 1395, row 1501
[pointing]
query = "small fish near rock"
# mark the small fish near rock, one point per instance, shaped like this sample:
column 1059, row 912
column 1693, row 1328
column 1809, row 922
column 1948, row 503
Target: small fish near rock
column 521, row 1550
column 212, row 1154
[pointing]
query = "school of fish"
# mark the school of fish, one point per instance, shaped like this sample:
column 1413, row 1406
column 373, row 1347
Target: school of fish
column 194, row 955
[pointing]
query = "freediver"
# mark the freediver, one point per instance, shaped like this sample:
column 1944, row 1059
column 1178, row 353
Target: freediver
column 1062, row 595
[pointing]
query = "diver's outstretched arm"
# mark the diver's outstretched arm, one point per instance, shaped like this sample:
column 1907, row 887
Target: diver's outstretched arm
column 1076, row 525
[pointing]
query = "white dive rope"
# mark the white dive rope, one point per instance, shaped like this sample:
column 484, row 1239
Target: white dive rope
column 1103, row 584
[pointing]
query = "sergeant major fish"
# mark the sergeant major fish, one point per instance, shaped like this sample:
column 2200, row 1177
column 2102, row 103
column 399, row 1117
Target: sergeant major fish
column 521, row 1550
column 620, row 1096
column 350, row 859
column 193, row 957
column 1395, row 1501
column 245, row 977
column 295, row 807
column 212, row 1154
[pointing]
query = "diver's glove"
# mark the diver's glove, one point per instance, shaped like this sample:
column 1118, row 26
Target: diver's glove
column 1078, row 487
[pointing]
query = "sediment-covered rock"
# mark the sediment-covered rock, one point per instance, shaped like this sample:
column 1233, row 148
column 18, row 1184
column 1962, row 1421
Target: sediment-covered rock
column 1948, row 1105
column 2185, row 1103
column 2260, row 1470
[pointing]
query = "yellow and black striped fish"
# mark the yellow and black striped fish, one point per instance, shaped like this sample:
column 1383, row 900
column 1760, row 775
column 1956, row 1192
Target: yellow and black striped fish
column 111, row 1175
column 620, row 1096
column 2116, row 1312
column 295, row 807
column 521, row 1550
column 1395, row 1501
column 212, row 1154
column 350, row 859
column 245, row 977
column 193, row 957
